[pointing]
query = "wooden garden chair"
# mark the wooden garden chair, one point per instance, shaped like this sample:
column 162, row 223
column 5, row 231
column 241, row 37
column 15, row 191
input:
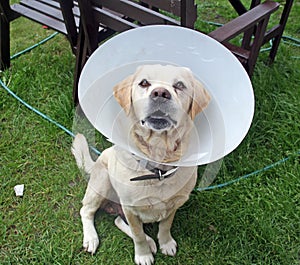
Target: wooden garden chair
column 253, row 25
column 274, row 33
column 87, row 23
column 121, row 15
column 60, row 15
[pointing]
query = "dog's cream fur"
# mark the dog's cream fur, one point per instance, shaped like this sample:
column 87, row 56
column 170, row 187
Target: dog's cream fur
column 176, row 93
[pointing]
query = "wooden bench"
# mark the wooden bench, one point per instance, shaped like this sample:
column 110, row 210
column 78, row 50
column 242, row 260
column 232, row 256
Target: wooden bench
column 62, row 16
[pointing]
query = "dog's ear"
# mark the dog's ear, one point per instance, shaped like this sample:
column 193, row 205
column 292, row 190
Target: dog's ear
column 200, row 99
column 122, row 93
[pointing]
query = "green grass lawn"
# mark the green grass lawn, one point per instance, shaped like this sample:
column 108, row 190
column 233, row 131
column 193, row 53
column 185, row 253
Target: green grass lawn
column 254, row 221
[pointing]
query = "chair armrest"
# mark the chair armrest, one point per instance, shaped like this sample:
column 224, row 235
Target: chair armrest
column 244, row 22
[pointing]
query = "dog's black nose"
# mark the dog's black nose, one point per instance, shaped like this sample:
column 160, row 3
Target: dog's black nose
column 160, row 92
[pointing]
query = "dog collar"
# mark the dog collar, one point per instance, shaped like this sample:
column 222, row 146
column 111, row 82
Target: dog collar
column 157, row 172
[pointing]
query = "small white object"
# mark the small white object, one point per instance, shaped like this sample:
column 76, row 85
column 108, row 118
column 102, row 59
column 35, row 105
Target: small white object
column 19, row 190
column 218, row 130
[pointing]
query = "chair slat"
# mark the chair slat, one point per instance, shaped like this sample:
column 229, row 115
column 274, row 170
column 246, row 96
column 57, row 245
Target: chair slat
column 173, row 7
column 40, row 18
column 43, row 8
column 135, row 11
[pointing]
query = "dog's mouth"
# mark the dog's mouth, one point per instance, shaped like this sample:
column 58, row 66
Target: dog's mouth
column 158, row 121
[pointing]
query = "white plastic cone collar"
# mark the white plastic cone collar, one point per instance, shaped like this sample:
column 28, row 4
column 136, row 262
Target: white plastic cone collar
column 218, row 130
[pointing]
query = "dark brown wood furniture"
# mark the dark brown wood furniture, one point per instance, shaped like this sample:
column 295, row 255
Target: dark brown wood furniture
column 120, row 15
column 134, row 15
column 87, row 23
column 274, row 33
column 253, row 25
column 60, row 15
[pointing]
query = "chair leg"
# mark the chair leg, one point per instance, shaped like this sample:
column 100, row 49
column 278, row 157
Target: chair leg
column 246, row 44
column 283, row 20
column 188, row 13
column 258, row 41
column 6, row 16
column 238, row 6
column 66, row 8
column 80, row 58
column 4, row 43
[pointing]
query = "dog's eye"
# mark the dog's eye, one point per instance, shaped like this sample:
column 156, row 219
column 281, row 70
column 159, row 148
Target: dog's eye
column 144, row 83
column 179, row 85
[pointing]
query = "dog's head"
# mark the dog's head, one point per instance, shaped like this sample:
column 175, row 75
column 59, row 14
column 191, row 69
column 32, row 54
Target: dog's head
column 162, row 102
column 161, row 96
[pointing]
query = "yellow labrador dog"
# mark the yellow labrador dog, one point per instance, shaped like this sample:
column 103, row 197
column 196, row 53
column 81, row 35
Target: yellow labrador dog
column 161, row 102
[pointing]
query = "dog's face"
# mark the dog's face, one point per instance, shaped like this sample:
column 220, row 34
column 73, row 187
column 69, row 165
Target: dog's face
column 161, row 102
column 160, row 97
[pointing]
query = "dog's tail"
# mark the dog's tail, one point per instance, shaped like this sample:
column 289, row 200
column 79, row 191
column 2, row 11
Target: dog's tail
column 80, row 150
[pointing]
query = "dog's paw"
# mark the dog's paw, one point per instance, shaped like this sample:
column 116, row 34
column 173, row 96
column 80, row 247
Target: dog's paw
column 126, row 229
column 151, row 244
column 90, row 244
column 169, row 248
column 144, row 259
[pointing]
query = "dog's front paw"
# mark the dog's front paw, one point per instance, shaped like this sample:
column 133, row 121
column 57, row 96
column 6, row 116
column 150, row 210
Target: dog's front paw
column 144, row 259
column 90, row 243
column 151, row 244
column 169, row 248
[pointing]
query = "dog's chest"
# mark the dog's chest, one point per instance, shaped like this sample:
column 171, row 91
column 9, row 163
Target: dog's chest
column 153, row 203
column 151, row 200
column 152, row 194
column 152, row 210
